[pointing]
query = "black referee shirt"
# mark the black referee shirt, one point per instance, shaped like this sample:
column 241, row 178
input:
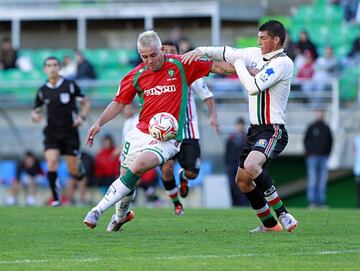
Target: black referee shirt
column 60, row 101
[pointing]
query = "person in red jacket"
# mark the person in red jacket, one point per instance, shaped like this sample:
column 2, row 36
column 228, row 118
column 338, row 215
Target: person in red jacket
column 107, row 164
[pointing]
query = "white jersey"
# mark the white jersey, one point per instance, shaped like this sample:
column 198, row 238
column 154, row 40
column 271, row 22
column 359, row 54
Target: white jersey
column 191, row 128
column 273, row 82
column 129, row 124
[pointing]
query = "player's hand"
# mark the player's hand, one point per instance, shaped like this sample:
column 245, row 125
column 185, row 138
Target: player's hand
column 35, row 116
column 214, row 123
column 191, row 56
column 253, row 71
column 94, row 129
column 79, row 120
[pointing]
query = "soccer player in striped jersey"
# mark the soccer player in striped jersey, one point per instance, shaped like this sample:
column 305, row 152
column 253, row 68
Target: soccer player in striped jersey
column 266, row 74
column 189, row 155
column 161, row 82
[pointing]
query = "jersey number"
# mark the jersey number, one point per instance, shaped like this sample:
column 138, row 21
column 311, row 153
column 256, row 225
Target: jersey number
column 126, row 147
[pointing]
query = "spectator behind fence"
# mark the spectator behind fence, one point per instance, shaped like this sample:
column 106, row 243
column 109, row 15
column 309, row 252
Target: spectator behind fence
column 318, row 142
column 305, row 44
column 8, row 55
column 69, row 68
column 325, row 69
column 85, row 69
column 353, row 56
column 234, row 146
column 350, row 9
column 356, row 166
column 176, row 34
column 107, row 164
column 306, row 72
column 185, row 45
column 28, row 170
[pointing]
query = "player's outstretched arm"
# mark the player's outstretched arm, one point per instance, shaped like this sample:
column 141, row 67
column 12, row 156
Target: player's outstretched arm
column 110, row 112
column 223, row 68
column 191, row 56
column 214, row 53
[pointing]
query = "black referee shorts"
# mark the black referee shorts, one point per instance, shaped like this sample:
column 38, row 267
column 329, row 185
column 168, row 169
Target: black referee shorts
column 270, row 139
column 65, row 140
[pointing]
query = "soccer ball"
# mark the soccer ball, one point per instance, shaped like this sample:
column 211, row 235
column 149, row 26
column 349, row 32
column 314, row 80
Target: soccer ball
column 163, row 126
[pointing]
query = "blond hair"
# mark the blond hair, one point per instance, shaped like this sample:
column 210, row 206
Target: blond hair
column 149, row 39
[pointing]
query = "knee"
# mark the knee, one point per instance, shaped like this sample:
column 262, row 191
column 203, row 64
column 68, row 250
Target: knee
column 243, row 181
column 252, row 170
column 139, row 167
column 73, row 170
column 191, row 174
column 244, row 185
column 52, row 164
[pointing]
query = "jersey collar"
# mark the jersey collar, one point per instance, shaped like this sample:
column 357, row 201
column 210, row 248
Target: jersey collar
column 58, row 83
column 270, row 55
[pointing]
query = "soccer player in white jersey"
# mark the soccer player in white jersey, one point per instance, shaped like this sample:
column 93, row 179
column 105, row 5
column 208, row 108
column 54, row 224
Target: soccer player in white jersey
column 189, row 155
column 266, row 74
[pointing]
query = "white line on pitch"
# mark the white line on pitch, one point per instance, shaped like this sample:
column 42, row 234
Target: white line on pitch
column 325, row 252
column 29, row 261
column 329, row 252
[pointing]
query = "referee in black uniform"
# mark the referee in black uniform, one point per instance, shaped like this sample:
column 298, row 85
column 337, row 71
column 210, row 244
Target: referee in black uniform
column 63, row 119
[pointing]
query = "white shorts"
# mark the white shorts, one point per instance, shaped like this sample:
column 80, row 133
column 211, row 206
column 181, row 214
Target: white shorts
column 136, row 142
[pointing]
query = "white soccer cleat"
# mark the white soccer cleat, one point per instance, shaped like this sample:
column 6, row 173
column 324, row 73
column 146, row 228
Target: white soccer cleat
column 55, row 203
column 288, row 221
column 92, row 218
column 115, row 226
column 263, row 229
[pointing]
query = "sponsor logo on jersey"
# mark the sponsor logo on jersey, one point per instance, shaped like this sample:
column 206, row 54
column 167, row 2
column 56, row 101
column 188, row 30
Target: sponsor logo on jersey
column 158, row 90
column 171, row 72
column 261, row 143
column 64, row 98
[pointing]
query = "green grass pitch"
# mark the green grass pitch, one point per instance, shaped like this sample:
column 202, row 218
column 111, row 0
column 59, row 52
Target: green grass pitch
column 203, row 239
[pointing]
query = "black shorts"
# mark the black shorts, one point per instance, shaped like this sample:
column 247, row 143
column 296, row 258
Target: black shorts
column 270, row 139
column 189, row 155
column 65, row 140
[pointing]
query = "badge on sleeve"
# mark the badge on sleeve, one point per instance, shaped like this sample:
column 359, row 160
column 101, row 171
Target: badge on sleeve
column 262, row 143
column 269, row 71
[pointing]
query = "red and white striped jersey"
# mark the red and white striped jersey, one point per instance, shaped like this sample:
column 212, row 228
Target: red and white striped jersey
column 273, row 82
column 191, row 128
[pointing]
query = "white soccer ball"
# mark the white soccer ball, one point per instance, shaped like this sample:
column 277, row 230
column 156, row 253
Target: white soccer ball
column 163, row 126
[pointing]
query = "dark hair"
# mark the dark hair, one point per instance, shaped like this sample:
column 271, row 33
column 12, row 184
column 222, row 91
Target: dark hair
column 274, row 29
column 171, row 43
column 29, row 153
column 52, row 58
column 240, row 120
column 110, row 138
